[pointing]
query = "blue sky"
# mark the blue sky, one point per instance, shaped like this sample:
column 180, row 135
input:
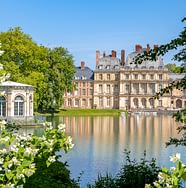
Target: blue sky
column 84, row 26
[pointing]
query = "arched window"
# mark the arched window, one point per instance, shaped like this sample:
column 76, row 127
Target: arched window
column 135, row 100
column 18, row 106
column 2, row 106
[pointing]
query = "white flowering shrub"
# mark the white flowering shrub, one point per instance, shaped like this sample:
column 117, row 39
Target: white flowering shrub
column 19, row 154
column 174, row 177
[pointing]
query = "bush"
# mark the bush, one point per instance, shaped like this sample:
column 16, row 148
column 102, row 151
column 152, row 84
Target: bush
column 104, row 182
column 56, row 175
column 133, row 174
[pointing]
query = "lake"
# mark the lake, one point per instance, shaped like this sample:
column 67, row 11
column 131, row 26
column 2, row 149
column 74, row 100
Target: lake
column 99, row 142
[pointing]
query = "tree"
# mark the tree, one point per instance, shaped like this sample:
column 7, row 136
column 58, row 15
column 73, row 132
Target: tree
column 179, row 42
column 50, row 71
column 175, row 69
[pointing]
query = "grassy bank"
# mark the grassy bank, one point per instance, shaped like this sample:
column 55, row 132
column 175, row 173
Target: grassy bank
column 87, row 112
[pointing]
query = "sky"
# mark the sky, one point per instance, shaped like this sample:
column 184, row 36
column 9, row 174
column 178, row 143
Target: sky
column 84, row 26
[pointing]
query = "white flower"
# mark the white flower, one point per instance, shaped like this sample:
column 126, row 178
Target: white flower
column 3, row 122
column 52, row 159
column 3, row 151
column 20, row 176
column 61, row 126
column 175, row 158
column 13, row 148
column 9, row 185
column 28, row 151
column 1, row 160
column 33, row 165
column 14, row 160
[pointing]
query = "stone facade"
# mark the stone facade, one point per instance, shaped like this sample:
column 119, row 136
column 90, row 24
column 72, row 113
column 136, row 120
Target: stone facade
column 121, row 84
column 16, row 100
column 82, row 96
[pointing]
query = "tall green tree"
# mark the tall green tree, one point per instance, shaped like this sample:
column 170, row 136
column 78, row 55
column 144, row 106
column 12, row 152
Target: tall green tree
column 180, row 44
column 50, row 71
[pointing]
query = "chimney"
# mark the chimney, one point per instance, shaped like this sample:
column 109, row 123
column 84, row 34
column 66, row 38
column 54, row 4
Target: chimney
column 148, row 48
column 122, row 57
column 97, row 57
column 104, row 54
column 138, row 47
column 113, row 53
column 82, row 64
column 155, row 46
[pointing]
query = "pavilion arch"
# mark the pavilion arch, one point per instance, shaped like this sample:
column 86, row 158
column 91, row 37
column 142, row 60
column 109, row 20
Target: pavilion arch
column 2, row 106
column 136, row 102
column 19, row 105
column 151, row 101
column 178, row 103
column 144, row 102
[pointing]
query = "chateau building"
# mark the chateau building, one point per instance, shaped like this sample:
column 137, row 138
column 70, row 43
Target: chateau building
column 118, row 83
column 82, row 96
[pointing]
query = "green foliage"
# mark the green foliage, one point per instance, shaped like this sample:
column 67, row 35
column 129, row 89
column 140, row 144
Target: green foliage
column 180, row 44
column 22, row 155
column 175, row 69
column 56, row 175
column 104, row 182
column 50, row 71
column 136, row 174
column 175, row 177
column 133, row 174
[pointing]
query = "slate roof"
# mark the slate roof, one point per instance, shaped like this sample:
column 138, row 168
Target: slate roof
column 156, row 64
column 176, row 76
column 108, row 63
column 14, row 84
column 84, row 73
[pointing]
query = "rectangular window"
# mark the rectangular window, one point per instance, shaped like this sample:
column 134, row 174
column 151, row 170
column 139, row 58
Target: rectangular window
column 108, row 76
column 116, row 76
column 90, row 102
column 100, row 88
column 83, row 91
column 136, row 76
column 144, row 88
column 151, row 76
column 108, row 101
column 136, row 88
column 160, row 76
column 90, row 91
column 127, row 76
column 108, row 88
column 100, row 77
column 151, row 88
column 84, row 84
column 76, row 102
column 143, row 76
column 160, row 87
column 100, row 101
column 116, row 89
column 127, row 88
column 160, row 103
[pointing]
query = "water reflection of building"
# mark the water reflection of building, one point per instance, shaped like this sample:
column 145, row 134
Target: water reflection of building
column 111, row 135
column 119, row 84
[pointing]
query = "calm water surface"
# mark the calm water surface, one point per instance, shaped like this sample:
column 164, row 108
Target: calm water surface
column 100, row 142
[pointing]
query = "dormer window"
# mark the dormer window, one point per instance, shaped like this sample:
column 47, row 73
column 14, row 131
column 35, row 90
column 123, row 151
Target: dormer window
column 108, row 67
column 160, row 67
column 83, row 77
column 116, row 67
column 100, row 67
